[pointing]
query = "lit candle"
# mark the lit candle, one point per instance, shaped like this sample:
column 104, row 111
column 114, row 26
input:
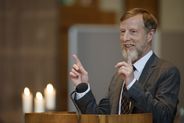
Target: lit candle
column 39, row 102
column 50, row 97
column 27, row 100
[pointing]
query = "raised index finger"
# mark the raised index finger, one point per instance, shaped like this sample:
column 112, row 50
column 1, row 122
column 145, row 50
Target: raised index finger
column 77, row 61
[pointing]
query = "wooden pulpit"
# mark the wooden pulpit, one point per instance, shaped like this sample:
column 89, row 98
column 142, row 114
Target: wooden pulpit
column 64, row 117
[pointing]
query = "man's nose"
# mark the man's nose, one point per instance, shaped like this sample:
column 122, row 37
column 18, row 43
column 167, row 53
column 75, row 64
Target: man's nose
column 126, row 36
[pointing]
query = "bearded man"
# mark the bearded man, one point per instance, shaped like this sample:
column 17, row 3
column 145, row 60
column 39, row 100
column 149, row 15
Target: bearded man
column 143, row 82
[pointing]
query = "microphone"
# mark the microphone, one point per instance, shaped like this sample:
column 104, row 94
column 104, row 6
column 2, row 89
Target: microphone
column 82, row 87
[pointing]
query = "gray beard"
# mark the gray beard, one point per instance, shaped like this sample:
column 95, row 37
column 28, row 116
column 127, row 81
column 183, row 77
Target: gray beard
column 131, row 55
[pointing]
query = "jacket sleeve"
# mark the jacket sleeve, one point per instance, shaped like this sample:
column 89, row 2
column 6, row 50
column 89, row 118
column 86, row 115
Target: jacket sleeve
column 88, row 105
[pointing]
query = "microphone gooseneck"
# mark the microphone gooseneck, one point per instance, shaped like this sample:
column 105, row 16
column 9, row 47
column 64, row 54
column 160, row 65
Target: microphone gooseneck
column 82, row 87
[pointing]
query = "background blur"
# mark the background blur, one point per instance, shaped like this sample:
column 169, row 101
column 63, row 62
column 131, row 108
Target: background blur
column 34, row 43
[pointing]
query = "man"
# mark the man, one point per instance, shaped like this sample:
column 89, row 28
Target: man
column 145, row 82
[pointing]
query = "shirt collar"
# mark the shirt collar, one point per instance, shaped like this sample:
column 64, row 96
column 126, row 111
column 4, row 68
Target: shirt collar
column 139, row 65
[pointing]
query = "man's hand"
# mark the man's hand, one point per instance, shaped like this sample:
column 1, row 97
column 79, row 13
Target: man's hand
column 78, row 74
column 125, row 69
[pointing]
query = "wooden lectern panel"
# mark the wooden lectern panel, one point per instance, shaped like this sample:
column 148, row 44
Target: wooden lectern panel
column 63, row 117
column 130, row 118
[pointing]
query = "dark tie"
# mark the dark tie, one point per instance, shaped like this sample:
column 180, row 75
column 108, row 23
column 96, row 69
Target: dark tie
column 126, row 103
column 134, row 69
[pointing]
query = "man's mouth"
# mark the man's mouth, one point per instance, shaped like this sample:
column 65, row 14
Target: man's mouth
column 128, row 45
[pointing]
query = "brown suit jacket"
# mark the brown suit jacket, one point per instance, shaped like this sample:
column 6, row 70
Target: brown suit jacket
column 156, row 91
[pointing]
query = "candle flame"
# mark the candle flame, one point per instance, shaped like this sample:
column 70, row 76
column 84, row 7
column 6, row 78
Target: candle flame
column 26, row 91
column 39, row 95
column 50, row 88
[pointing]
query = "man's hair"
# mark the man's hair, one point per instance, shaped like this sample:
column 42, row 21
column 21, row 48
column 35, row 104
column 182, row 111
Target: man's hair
column 150, row 22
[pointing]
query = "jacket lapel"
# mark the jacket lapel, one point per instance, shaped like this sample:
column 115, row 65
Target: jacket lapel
column 148, row 69
column 116, row 94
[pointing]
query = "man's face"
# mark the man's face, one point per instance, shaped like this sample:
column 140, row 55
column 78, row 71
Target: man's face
column 135, row 41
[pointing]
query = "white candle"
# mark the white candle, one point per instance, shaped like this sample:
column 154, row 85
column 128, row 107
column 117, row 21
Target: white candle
column 39, row 103
column 50, row 97
column 27, row 100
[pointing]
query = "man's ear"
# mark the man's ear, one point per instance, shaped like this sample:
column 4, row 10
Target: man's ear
column 150, row 35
